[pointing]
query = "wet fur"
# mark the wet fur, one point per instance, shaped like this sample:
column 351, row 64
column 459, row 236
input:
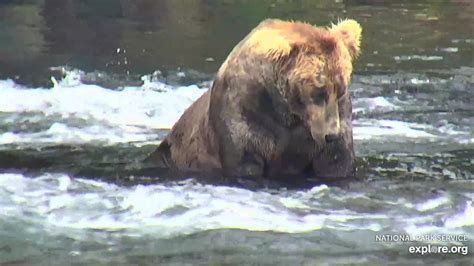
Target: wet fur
column 245, row 126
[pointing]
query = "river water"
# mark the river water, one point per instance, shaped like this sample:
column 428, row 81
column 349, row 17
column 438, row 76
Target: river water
column 88, row 89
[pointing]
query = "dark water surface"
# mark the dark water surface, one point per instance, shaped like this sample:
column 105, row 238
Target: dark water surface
column 139, row 37
column 88, row 88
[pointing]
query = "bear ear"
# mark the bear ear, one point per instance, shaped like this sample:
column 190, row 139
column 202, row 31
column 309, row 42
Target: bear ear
column 350, row 32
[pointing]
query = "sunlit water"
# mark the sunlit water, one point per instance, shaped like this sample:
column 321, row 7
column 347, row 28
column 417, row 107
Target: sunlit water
column 73, row 188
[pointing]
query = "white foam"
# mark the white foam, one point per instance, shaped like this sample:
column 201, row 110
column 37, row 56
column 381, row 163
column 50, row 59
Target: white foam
column 139, row 106
column 455, row 224
column 371, row 128
column 449, row 49
column 122, row 115
column 379, row 104
column 432, row 204
column 418, row 57
column 97, row 134
column 62, row 133
column 58, row 201
column 466, row 218
column 73, row 206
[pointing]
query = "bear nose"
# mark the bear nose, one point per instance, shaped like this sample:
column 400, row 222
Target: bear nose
column 331, row 137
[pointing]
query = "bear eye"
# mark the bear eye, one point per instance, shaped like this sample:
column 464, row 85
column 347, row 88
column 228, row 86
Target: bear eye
column 298, row 101
column 319, row 96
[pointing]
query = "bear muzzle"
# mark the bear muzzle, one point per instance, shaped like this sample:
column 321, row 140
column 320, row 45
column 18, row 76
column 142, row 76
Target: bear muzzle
column 324, row 123
column 325, row 132
column 333, row 128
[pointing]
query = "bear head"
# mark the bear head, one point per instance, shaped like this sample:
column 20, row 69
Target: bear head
column 312, row 68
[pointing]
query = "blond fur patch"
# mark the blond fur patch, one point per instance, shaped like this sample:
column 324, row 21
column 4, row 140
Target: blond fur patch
column 275, row 38
column 270, row 43
column 350, row 32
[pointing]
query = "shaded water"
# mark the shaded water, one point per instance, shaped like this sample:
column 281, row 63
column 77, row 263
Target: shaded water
column 82, row 103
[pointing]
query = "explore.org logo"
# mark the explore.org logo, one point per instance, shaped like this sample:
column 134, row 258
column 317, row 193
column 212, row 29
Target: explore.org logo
column 435, row 249
column 455, row 244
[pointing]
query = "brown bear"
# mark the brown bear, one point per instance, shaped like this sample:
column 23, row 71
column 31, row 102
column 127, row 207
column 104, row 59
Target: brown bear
column 279, row 105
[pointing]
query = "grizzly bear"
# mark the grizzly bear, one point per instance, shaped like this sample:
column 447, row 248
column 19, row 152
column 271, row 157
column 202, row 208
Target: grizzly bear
column 279, row 106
